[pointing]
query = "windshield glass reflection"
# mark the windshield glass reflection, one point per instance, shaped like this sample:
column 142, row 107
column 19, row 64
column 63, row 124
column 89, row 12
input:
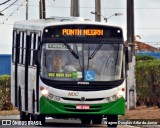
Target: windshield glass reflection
column 95, row 62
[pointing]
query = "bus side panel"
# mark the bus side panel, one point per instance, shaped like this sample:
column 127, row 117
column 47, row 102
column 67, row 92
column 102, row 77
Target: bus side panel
column 21, row 84
column 13, row 84
column 31, row 86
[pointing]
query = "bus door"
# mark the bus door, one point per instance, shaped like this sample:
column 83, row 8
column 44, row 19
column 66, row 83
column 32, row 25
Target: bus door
column 32, row 87
column 14, row 68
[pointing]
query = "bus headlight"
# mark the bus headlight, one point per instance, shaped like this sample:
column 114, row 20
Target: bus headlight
column 53, row 97
column 108, row 99
column 50, row 96
column 120, row 93
column 44, row 92
column 56, row 98
column 113, row 98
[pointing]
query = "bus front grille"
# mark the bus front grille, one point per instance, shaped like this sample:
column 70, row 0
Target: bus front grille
column 78, row 99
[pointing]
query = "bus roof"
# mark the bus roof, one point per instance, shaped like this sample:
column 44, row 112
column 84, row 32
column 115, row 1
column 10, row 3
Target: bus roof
column 40, row 24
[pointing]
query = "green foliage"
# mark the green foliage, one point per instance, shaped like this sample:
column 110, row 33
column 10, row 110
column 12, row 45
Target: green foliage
column 144, row 57
column 5, row 101
column 148, row 80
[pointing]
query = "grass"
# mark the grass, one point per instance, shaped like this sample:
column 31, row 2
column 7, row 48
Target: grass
column 9, row 112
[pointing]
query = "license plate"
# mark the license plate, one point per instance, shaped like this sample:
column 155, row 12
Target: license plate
column 83, row 107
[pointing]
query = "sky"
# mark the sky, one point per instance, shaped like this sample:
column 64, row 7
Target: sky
column 147, row 17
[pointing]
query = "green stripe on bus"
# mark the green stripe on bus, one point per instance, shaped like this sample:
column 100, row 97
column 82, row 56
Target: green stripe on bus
column 48, row 106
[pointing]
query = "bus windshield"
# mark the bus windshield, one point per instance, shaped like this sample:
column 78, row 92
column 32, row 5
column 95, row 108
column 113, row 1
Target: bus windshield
column 98, row 61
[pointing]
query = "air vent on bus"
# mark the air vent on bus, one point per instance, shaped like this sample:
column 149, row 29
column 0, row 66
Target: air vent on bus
column 63, row 19
column 78, row 99
column 87, row 20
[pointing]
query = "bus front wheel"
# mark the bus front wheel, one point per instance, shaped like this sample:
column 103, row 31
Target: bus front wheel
column 112, row 120
column 97, row 119
column 86, row 120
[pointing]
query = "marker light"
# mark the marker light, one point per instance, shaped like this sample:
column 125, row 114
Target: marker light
column 123, row 89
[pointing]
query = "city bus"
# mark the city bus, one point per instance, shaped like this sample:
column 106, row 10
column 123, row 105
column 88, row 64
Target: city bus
column 67, row 67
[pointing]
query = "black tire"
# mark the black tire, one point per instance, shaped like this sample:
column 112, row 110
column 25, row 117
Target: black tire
column 86, row 120
column 97, row 119
column 112, row 120
column 33, row 116
column 41, row 118
column 24, row 117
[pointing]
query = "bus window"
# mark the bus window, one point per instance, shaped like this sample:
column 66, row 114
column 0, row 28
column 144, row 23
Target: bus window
column 21, row 48
column 59, row 64
column 14, row 46
column 36, row 40
column 106, row 61
column 24, row 48
column 31, row 48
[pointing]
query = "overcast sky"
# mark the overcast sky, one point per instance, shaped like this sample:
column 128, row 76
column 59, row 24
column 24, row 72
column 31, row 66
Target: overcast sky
column 147, row 13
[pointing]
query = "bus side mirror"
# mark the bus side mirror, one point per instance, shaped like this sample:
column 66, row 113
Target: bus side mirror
column 128, row 54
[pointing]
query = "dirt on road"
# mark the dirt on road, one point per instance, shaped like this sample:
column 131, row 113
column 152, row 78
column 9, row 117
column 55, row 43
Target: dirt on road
column 143, row 112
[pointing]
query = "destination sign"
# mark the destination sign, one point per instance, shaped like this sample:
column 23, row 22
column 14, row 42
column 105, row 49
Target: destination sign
column 83, row 32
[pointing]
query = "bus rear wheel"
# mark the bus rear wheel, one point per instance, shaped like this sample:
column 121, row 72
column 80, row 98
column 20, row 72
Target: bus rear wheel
column 41, row 118
column 24, row 116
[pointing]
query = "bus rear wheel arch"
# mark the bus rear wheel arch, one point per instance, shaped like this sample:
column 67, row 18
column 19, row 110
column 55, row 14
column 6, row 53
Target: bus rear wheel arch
column 35, row 117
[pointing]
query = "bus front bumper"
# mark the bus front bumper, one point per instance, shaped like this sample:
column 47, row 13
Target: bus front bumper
column 48, row 107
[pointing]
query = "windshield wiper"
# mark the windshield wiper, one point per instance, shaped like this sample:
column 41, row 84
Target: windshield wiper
column 70, row 49
column 96, row 50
